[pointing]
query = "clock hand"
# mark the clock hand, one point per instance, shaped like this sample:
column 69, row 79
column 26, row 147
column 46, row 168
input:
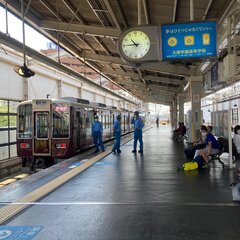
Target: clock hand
column 133, row 44
column 136, row 44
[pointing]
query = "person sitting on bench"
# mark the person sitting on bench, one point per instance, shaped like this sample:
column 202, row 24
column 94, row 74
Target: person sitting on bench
column 212, row 146
column 180, row 131
column 236, row 138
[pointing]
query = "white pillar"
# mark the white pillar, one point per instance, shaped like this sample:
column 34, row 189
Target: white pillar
column 175, row 112
column 25, row 88
column 94, row 97
column 195, row 92
column 181, row 107
column 59, row 88
column 230, row 138
column 173, row 115
column 80, row 93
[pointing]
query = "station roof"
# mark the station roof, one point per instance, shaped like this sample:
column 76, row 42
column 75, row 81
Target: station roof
column 89, row 29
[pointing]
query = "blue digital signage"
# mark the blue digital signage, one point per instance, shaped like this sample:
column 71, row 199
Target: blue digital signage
column 189, row 40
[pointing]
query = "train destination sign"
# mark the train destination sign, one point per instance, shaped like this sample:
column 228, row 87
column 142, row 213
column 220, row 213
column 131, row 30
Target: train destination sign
column 189, row 40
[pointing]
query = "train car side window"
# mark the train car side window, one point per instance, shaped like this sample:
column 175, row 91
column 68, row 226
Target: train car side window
column 61, row 121
column 103, row 121
column 42, row 125
column 107, row 121
column 25, row 121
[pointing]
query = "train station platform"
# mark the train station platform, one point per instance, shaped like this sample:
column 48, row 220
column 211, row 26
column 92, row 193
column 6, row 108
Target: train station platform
column 124, row 197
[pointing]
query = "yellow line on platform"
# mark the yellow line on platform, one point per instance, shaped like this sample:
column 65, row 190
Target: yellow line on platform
column 10, row 210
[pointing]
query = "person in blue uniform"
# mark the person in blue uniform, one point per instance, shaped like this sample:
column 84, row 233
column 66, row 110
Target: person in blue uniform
column 212, row 146
column 117, row 134
column 138, row 126
column 97, row 131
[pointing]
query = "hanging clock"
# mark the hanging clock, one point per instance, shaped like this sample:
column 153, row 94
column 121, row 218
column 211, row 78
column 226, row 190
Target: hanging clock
column 139, row 44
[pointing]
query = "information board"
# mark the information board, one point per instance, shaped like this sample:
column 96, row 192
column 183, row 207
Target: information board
column 189, row 40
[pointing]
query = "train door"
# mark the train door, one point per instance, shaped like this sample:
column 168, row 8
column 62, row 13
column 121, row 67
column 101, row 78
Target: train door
column 41, row 141
column 78, row 128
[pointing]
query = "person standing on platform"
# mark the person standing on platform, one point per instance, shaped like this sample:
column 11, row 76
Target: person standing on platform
column 97, row 131
column 138, row 126
column 117, row 134
column 157, row 121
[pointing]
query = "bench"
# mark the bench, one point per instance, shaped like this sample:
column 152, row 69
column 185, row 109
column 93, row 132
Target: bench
column 178, row 137
column 223, row 143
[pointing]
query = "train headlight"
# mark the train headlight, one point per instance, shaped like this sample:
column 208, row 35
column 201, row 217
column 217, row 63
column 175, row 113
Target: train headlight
column 24, row 145
column 61, row 145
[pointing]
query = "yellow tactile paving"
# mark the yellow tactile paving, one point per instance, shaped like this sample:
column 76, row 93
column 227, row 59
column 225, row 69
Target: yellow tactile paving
column 10, row 210
column 8, row 181
column 23, row 175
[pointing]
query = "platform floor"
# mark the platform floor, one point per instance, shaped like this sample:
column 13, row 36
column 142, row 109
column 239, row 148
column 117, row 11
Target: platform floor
column 137, row 197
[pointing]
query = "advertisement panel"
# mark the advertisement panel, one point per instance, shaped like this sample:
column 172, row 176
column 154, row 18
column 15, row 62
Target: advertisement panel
column 189, row 40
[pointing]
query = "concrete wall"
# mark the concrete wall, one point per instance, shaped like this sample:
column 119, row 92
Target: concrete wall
column 46, row 81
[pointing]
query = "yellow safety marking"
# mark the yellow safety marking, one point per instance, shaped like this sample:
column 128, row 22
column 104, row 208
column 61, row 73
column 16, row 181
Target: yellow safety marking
column 8, row 181
column 21, row 176
column 10, row 210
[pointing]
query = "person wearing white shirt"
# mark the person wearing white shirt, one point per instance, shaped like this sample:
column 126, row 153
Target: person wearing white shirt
column 236, row 137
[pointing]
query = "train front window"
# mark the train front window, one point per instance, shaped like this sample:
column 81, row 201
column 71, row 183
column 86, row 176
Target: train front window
column 42, row 125
column 25, row 121
column 61, row 121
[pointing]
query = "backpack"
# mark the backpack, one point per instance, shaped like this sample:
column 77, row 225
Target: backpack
column 199, row 160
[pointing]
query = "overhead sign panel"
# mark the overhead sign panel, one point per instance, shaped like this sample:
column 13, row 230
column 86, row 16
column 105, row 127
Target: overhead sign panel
column 189, row 40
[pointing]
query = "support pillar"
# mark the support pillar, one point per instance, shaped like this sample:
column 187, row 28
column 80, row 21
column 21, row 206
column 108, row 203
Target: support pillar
column 181, row 108
column 80, row 93
column 196, row 116
column 59, row 88
column 25, row 89
column 94, row 97
column 105, row 100
column 173, row 113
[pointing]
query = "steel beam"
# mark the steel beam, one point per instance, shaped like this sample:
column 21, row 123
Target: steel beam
column 80, row 28
column 146, row 77
column 173, row 69
column 113, row 16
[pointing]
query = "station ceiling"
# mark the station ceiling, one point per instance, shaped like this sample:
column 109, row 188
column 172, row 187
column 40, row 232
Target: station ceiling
column 89, row 29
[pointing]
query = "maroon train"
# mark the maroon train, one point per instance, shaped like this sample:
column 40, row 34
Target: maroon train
column 60, row 128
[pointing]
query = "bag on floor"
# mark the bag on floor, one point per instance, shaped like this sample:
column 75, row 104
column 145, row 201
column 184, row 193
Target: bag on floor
column 236, row 192
column 200, row 161
column 190, row 166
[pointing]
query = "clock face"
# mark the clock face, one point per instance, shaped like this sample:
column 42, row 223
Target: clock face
column 135, row 44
